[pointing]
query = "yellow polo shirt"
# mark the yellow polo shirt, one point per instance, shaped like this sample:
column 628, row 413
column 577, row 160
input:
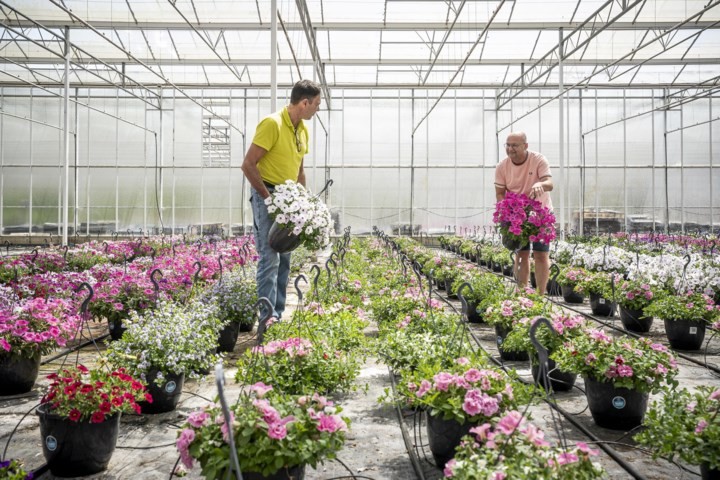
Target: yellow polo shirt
column 286, row 146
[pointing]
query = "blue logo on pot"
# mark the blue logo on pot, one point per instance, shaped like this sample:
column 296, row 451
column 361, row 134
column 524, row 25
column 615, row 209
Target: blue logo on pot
column 618, row 402
column 499, row 340
column 170, row 386
column 51, row 443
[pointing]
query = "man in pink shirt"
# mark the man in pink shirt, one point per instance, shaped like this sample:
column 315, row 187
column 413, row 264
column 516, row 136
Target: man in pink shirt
column 524, row 171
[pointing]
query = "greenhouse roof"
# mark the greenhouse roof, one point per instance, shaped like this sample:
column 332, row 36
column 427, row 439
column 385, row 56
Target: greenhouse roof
column 505, row 45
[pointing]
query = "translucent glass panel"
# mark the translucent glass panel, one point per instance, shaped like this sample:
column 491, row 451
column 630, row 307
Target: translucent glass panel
column 371, row 157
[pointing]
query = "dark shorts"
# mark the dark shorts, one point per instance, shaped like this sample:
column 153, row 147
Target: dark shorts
column 537, row 247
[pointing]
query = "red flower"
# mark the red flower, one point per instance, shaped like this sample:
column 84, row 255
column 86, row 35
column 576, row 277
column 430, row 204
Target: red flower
column 83, row 368
column 97, row 417
column 137, row 385
column 117, row 401
column 74, row 415
column 137, row 408
column 148, row 398
column 105, row 407
column 86, row 388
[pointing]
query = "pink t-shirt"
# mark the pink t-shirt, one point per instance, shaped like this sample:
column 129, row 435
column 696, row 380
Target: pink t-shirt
column 520, row 178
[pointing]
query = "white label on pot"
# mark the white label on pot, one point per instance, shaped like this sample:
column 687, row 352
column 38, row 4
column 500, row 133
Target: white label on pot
column 499, row 340
column 618, row 402
column 170, row 386
column 51, row 443
column 602, row 301
column 693, row 330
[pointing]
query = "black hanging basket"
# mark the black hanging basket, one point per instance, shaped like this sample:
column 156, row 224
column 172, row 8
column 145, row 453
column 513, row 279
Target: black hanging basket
column 165, row 396
column 76, row 449
column 17, row 373
column 282, row 239
column 444, row 436
column 512, row 243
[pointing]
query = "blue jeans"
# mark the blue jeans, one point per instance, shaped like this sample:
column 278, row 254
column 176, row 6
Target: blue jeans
column 273, row 268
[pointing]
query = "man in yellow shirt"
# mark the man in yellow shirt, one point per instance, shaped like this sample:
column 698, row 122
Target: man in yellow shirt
column 276, row 155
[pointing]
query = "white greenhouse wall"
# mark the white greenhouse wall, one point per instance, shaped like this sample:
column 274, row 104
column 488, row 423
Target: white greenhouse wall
column 131, row 165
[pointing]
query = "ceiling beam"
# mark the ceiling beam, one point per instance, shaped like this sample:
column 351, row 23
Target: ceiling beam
column 355, row 26
column 551, row 87
column 574, row 41
column 439, row 50
column 312, row 43
column 371, row 62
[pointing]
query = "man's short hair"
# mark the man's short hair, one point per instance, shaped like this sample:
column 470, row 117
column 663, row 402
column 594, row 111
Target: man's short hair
column 304, row 89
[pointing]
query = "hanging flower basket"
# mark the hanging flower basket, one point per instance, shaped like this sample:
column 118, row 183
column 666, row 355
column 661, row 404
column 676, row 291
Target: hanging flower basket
column 513, row 243
column 522, row 220
column 282, row 239
column 299, row 218
column 17, row 373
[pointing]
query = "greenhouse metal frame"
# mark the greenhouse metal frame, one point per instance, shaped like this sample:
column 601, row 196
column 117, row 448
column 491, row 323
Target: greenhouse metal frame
column 127, row 115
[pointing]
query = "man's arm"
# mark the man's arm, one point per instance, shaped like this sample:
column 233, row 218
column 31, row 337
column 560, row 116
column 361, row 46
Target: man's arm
column 544, row 185
column 500, row 193
column 249, row 168
column 301, row 173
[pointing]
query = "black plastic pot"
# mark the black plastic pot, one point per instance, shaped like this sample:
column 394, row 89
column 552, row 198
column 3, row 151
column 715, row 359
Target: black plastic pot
column 511, row 242
column 17, row 374
column 281, row 239
column 570, row 296
column 634, row 321
column 246, row 326
column 600, row 306
column 708, row 473
column 444, row 436
column 553, row 288
column 615, row 408
column 228, row 337
column 507, row 270
column 166, row 395
column 559, row 381
column 685, row 334
column 473, row 315
column 77, row 449
column 501, row 333
column 292, row 473
column 116, row 329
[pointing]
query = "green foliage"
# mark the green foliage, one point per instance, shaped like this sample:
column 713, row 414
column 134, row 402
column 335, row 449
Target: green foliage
column 270, row 433
column 78, row 394
column 404, row 350
column 486, row 287
column 466, row 390
column 81, row 260
column 297, row 365
column 636, row 364
column 634, row 294
column 387, row 306
column 571, row 276
column 513, row 448
column 685, row 424
column 505, row 311
column 689, row 306
column 235, row 296
column 13, row 470
column 597, row 283
column 172, row 338
column 340, row 328
column 565, row 327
